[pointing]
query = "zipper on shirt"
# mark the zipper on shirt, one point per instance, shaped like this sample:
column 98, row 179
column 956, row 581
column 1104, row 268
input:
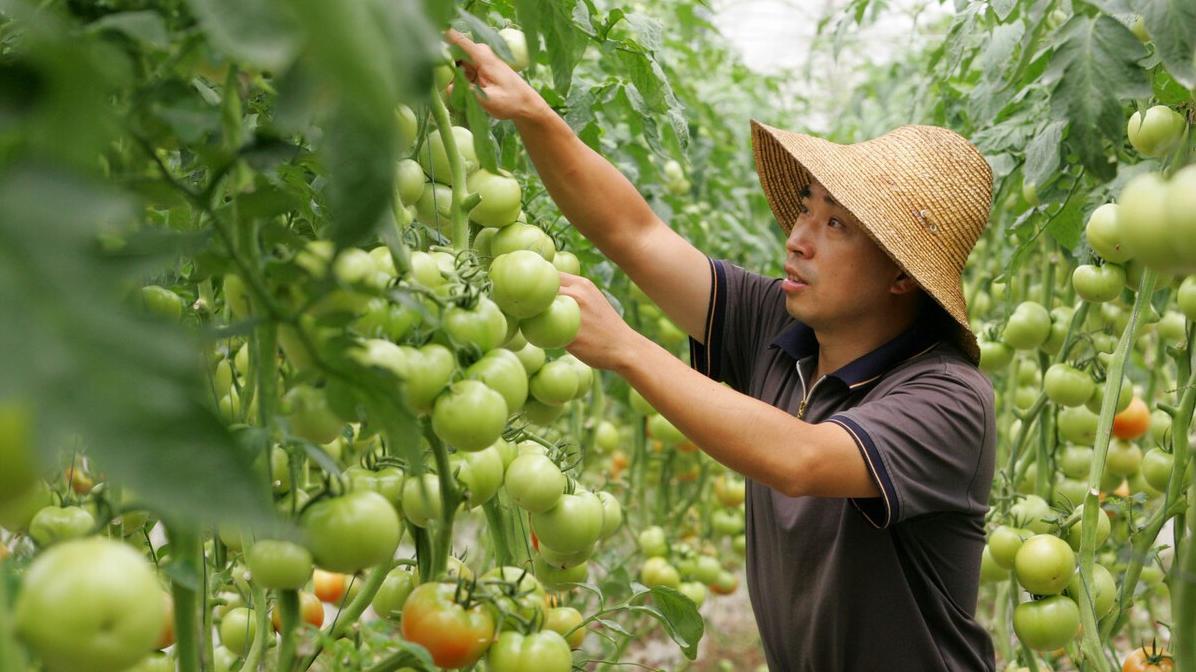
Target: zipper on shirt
column 806, row 394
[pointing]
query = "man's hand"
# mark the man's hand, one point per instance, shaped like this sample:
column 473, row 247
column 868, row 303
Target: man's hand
column 604, row 339
column 508, row 96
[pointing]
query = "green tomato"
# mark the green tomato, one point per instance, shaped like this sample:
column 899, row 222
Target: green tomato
column 502, row 371
column 1075, row 461
column 990, row 571
column 1157, row 132
column 407, row 127
column 1003, row 543
column 517, row 43
column 638, row 403
column 1077, row 424
column 1105, row 592
column 545, row 651
column 1172, row 328
column 501, row 198
column 658, row 572
column 1047, row 624
column 482, row 326
column 566, row 262
column 469, row 415
column 434, row 209
column 1068, row 491
column 480, row 472
column 310, row 416
column 1156, row 468
column 612, row 514
column 606, row 436
column 556, row 578
column 1145, row 228
column 664, row 431
column 653, row 542
column 1103, row 528
column 1044, row 564
column 539, row 413
column 1123, row 458
column 524, row 284
column 1066, row 385
column 238, row 629
column 90, row 604
column 534, row 483
column 1028, row 327
column 994, row 356
column 351, row 532
column 1185, row 298
column 1031, row 511
column 556, row 326
column 555, row 383
column 162, row 302
column 393, row 593
column 277, row 564
column 53, row 524
column 532, row 357
column 566, row 622
column 434, row 157
column 1103, row 232
column 236, row 296
column 520, row 236
column 1098, row 283
column 409, row 182
column 422, row 502
column 1124, row 397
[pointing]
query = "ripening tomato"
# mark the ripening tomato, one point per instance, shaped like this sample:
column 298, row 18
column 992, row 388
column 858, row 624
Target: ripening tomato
column 455, row 637
column 329, row 586
column 657, row 571
column 1133, row 422
column 1148, row 659
column 311, row 612
column 90, row 604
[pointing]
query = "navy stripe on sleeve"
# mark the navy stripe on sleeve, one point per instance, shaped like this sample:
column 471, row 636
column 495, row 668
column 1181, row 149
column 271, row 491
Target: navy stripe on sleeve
column 879, row 511
column 705, row 357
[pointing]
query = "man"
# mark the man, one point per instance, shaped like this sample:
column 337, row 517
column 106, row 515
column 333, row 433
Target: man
column 854, row 409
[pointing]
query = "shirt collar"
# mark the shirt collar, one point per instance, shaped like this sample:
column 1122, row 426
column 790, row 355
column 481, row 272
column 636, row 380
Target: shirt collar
column 798, row 341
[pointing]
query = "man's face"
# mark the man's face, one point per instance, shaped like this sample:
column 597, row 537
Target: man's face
column 835, row 273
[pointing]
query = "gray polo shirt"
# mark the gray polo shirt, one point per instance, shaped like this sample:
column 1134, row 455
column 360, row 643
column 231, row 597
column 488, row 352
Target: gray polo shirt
column 885, row 583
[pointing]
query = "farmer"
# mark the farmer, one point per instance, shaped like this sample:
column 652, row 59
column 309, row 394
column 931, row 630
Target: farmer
column 854, row 406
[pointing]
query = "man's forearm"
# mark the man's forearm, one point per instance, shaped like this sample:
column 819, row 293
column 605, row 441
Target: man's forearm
column 592, row 194
column 745, row 434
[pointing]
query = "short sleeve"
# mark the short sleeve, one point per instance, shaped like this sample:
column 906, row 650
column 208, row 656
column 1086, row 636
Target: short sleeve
column 745, row 311
column 929, row 444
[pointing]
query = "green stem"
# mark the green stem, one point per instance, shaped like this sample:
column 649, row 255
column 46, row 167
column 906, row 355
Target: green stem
column 496, row 521
column 185, row 545
column 1091, row 644
column 261, row 629
column 1183, row 577
column 460, row 219
column 288, row 603
column 450, row 499
column 349, row 615
column 1001, row 621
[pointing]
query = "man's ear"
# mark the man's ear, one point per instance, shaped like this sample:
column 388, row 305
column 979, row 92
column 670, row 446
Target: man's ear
column 903, row 283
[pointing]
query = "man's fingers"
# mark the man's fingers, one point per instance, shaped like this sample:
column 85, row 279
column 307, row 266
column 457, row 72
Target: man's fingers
column 476, row 52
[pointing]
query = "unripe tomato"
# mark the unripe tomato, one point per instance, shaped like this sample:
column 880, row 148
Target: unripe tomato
column 351, row 532
column 277, row 564
column 1156, row 468
column 730, row 490
column 236, row 296
column 162, row 302
column 1075, row 461
column 1181, row 214
column 1028, row 326
column 1046, row 624
column 555, row 383
column 53, row 524
column 990, row 571
column 1123, row 458
column 554, row 577
column 422, row 503
column 237, row 630
column 653, row 542
column 664, row 431
column 393, row 593
column 539, row 413
column 483, row 325
column 638, row 403
column 1105, row 592
column 524, row 284
column 409, row 182
column 1133, row 422
column 1103, row 529
column 1032, row 512
column 532, row 357
column 1068, row 491
column 1044, row 564
column 1098, row 283
column 612, row 513
column 1145, row 229
column 606, row 436
column 556, row 326
column 434, row 158
column 1004, row 542
column 502, row 371
column 1172, row 328
column 501, row 195
column 566, row 262
column 534, row 483
column 1077, row 425
column 481, row 473
column 1157, row 132
column 90, row 604
column 1124, row 397
column 310, row 416
column 573, row 525
column 565, row 621
column 1185, row 298
column 455, row 637
column 658, row 572
column 994, row 356
column 469, row 415
column 517, row 43
column 546, row 650
column 434, row 209
column 1066, row 385
column 1104, row 234
column 520, row 236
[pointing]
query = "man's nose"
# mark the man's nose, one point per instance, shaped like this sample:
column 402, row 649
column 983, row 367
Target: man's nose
column 798, row 241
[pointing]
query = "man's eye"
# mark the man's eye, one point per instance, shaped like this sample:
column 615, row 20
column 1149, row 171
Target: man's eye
column 834, row 223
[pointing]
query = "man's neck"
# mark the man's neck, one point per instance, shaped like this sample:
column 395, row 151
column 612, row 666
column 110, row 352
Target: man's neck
column 839, row 347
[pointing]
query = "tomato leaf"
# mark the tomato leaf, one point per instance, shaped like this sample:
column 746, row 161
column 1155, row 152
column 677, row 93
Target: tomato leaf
column 1042, row 154
column 1093, row 68
column 144, row 26
column 678, row 614
column 260, row 33
column 1171, row 25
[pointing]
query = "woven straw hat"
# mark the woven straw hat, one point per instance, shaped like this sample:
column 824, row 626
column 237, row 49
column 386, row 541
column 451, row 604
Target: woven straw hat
column 922, row 192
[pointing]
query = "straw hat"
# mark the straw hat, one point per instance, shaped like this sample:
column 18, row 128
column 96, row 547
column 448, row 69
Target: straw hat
column 922, row 192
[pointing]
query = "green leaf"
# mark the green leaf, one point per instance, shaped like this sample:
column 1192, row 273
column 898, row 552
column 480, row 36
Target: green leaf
column 561, row 38
column 95, row 368
column 1171, row 25
column 1042, row 154
column 1066, row 225
column 484, row 33
column 359, row 165
column 260, row 33
column 679, row 616
column 479, row 125
column 145, row 26
column 1094, row 67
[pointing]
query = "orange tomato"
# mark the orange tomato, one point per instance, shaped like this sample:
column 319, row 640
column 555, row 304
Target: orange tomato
column 1148, row 659
column 167, row 637
column 310, row 610
column 329, row 586
column 1133, row 422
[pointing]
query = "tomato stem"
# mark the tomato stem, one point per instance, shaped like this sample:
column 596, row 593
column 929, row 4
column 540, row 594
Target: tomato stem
column 186, row 548
column 460, row 221
column 288, row 603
